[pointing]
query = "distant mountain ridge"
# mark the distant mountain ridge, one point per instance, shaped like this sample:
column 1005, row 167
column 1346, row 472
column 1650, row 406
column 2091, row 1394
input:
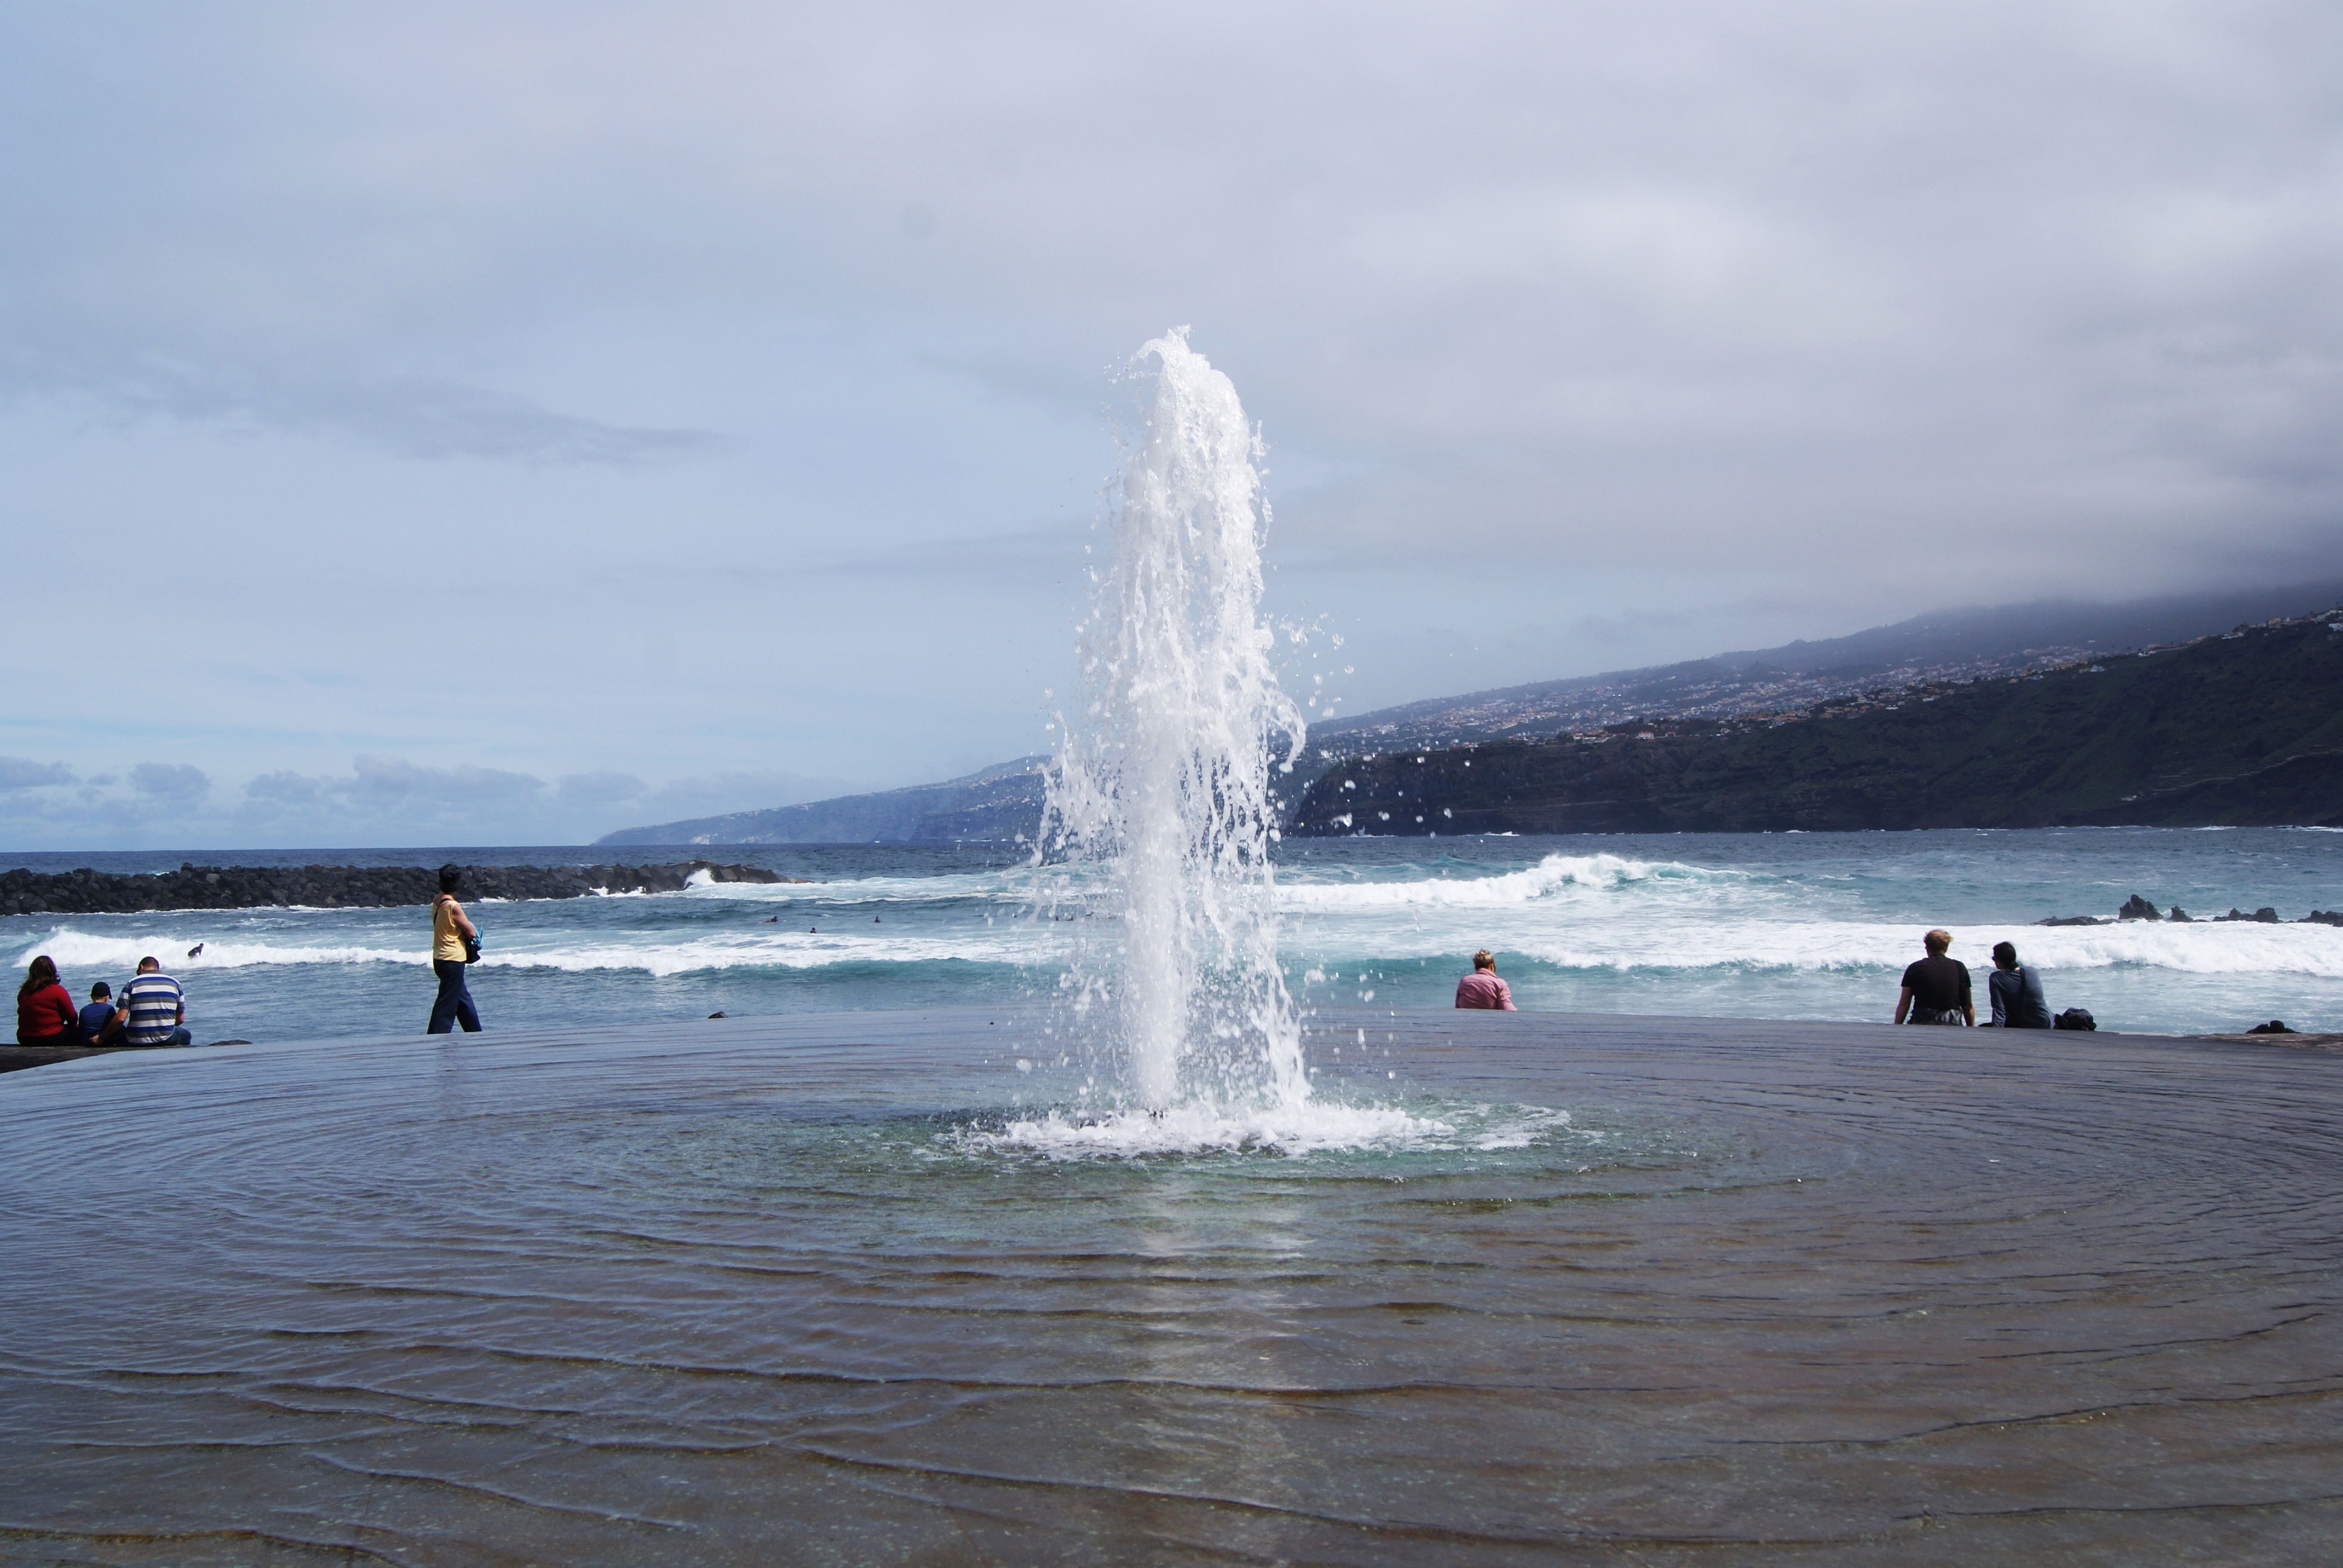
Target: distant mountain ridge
column 1005, row 801
column 2242, row 729
column 997, row 802
column 1949, row 646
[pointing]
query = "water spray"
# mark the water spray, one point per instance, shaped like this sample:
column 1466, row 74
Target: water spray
column 1162, row 779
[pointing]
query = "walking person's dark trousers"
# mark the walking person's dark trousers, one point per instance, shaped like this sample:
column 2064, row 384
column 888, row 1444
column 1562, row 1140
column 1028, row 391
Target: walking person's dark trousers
column 454, row 1002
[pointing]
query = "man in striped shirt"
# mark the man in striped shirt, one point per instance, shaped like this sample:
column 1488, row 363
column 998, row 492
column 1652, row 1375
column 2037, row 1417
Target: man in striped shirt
column 153, row 1009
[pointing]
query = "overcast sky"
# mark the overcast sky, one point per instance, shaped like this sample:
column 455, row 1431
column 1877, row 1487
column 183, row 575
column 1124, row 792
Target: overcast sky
column 501, row 424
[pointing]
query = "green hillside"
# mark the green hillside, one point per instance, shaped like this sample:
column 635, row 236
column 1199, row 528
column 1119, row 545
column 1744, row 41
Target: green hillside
column 2243, row 730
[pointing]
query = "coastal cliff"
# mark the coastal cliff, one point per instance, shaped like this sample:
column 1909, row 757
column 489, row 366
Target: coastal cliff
column 2241, row 730
column 192, row 887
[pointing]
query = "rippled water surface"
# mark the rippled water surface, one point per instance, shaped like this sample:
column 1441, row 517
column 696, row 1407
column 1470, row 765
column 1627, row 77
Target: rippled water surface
column 855, row 1289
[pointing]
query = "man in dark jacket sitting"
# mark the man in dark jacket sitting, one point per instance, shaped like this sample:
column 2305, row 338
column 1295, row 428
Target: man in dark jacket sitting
column 2016, row 991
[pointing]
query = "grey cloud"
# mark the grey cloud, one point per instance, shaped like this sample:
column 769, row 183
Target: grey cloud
column 748, row 791
column 389, row 781
column 423, row 420
column 1025, row 553
column 382, row 798
column 1028, row 371
column 24, row 773
column 286, row 789
column 176, row 781
column 601, row 788
column 91, row 814
column 412, row 416
column 379, row 800
column 1614, row 333
column 387, row 798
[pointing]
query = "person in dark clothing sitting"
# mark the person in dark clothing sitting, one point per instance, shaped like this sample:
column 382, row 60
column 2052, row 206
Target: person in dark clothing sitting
column 1937, row 989
column 2016, row 991
column 100, row 1024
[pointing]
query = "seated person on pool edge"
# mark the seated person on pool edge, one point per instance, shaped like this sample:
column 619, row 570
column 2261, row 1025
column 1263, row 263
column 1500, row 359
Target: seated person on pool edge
column 100, row 1024
column 2016, row 991
column 1482, row 989
column 153, row 1009
column 45, row 1009
column 1936, row 988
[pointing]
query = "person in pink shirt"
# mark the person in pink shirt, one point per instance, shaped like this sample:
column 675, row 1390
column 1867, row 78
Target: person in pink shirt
column 1482, row 989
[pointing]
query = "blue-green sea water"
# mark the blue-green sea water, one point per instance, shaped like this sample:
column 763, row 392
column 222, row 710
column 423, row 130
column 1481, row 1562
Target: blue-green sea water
column 1759, row 926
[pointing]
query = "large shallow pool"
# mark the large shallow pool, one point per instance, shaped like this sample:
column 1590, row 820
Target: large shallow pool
column 838, row 1289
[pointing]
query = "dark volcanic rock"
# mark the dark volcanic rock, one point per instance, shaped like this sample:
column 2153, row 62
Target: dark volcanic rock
column 2322, row 918
column 2073, row 920
column 2265, row 915
column 2137, row 909
column 192, row 887
column 2275, row 1026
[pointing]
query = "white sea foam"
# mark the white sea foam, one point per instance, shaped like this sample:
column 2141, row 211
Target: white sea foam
column 1554, row 874
column 1376, row 932
column 2232, row 946
column 2203, row 948
column 1298, row 1128
column 78, row 952
column 1009, row 887
column 83, row 951
column 794, row 951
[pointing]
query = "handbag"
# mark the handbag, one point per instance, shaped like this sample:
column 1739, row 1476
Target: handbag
column 471, row 943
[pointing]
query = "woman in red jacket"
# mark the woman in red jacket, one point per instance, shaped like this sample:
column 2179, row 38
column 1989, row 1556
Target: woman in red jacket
column 45, row 1009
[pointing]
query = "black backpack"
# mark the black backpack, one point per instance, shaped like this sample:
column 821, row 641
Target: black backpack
column 2075, row 1018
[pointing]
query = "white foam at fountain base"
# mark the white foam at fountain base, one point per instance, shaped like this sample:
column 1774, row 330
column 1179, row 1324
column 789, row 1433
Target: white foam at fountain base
column 1196, row 1127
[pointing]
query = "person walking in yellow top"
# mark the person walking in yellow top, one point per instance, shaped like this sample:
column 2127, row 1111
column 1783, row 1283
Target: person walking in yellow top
column 454, row 940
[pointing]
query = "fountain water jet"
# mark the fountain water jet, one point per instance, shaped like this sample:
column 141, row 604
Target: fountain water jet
column 1165, row 779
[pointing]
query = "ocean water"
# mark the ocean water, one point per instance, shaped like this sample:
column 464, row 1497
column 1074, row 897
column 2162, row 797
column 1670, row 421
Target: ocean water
column 1776, row 926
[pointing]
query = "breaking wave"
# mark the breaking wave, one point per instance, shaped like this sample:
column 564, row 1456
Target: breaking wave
column 1554, row 874
column 76, row 952
column 2203, row 948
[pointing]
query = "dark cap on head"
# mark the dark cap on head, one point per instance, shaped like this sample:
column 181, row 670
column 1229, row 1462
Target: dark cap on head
column 450, row 879
column 99, row 989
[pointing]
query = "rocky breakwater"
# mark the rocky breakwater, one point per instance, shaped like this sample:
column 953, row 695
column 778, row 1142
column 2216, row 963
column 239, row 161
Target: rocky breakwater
column 192, row 887
column 2137, row 908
